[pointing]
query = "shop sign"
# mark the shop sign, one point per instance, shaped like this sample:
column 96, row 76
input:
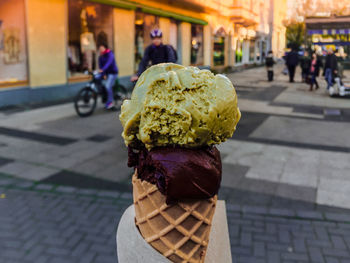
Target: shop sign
column 328, row 31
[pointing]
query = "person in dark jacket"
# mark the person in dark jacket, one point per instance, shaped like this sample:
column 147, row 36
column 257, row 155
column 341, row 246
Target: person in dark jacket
column 330, row 67
column 315, row 66
column 155, row 53
column 292, row 60
column 305, row 66
column 269, row 62
column 108, row 67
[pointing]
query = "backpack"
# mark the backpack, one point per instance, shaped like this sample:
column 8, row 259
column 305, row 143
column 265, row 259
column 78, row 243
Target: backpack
column 269, row 61
column 170, row 48
column 167, row 49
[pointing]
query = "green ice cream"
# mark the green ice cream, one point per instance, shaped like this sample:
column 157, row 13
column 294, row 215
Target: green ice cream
column 177, row 105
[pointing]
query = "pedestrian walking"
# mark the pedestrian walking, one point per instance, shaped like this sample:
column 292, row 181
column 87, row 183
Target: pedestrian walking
column 269, row 62
column 292, row 61
column 340, row 55
column 108, row 67
column 330, row 67
column 305, row 66
column 156, row 53
column 315, row 66
column 285, row 69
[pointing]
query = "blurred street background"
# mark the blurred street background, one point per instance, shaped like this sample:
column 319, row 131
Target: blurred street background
column 64, row 180
column 65, row 183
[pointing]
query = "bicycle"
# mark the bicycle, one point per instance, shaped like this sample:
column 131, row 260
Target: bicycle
column 86, row 100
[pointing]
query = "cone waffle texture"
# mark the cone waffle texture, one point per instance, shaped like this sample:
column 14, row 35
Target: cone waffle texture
column 179, row 231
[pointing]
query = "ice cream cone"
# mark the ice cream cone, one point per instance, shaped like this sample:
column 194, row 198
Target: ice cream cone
column 178, row 231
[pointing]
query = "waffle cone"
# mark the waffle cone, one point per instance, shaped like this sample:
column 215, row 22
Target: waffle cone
column 180, row 231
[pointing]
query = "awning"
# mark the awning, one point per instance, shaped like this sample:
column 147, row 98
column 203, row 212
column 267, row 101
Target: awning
column 124, row 4
column 328, row 31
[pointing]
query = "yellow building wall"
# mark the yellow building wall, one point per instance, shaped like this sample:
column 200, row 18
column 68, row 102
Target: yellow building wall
column 278, row 42
column 164, row 25
column 279, row 30
column 185, row 31
column 283, row 42
column 124, row 39
column 227, row 59
column 47, row 56
column 231, row 51
column 207, row 35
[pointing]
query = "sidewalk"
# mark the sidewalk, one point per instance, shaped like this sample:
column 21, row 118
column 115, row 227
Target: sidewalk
column 295, row 93
column 46, row 223
column 64, row 181
column 299, row 151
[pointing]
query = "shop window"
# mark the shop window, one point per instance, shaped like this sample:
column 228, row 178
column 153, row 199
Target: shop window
column 144, row 23
column 263, row 52
column 251, row 51
column 239, row 51
column 219, row 47
column 88, row 24
column 219, row 51
column 197, row 45
column 258, row 51
column 338, row 39
column 13, row 54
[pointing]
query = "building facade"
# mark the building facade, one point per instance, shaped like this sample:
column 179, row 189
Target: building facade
column 330, row 32
column 46, row 46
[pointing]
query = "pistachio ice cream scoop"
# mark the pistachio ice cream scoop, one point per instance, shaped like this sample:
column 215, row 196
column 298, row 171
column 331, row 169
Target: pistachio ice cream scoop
column 180, row 106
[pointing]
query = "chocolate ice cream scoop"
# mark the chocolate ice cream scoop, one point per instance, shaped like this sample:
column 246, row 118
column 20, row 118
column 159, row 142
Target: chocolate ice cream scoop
column 179, row 173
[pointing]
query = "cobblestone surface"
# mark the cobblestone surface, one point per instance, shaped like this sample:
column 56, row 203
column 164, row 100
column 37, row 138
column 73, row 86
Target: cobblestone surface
column 57, row 224
column 43, row 226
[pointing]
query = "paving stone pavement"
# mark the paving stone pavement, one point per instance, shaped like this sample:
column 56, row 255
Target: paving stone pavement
column 50, row 223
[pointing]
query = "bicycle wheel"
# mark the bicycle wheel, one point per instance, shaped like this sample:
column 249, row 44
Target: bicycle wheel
column 120, row 95
column 85, row 102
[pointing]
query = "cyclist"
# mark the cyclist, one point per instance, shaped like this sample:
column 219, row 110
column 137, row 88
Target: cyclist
column 108, row 67
column 155, row 53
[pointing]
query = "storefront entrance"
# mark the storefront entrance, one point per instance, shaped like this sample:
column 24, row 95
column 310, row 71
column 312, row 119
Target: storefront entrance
column 197, row 54
column 339, row 42
column 239, row 51
column 144, row 23
column 251, row 50
column 219, row 47
column 89, row 24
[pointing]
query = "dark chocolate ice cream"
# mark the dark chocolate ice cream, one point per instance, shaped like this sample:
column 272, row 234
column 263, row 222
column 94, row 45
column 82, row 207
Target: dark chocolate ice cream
column 179, row 173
